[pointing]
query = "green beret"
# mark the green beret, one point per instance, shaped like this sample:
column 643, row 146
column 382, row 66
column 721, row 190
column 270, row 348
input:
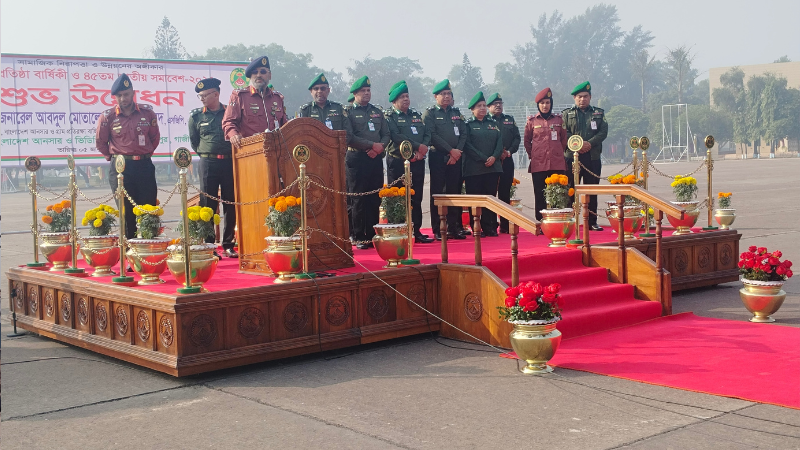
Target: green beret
column 494, row 98
column 440, row 86
column 478, row 97
column 360, row 83
column 319, row 79
column 396, row 85
column 351, row 98
column 400, row 89
column 583, row 87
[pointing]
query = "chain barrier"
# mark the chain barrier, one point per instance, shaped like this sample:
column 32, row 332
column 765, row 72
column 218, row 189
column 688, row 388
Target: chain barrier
column 278, row 194
column 161, row 206
column 144, row 261
column 590, row 172
column 655, row 169
column 57, row 195
column 331, row 236
column 355, row 194
column 97, row 199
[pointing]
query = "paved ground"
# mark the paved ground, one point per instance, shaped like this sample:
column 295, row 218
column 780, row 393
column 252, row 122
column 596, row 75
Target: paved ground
column 419, row 392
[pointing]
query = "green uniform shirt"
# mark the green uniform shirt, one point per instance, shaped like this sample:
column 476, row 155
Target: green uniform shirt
column 448, row 130
column 369, row 126
column 406, row 126
column 205, row 132
column 510, row 132
column 483, row 140
column 580, row 123
column 333, row 115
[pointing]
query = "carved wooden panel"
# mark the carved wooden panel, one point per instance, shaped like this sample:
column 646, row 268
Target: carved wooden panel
column 703, row 256
column 473, row 306
column 248, row 324
column 378, row 305
column 103, row 318
column 681, row 261
column 17, row 296
column 122, row 322
column 166, row 332
column 141, row 325
column 291, row 318
column 338, row 312
column 421, row 292
column 83, row 313
column 32, row 295
column 49, row 304
column 64, row 304
column 727, row 256
column 202, row 332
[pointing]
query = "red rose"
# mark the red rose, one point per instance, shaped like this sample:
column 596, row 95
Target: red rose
column 752, row 248
column 512, row 291
column 787, row 264
column 766, row 268
column 511, row 301
column 789, row 274
column 553, row 288
column 528, row 293
column 748, row 255
column 750, row 263
column 741, row 263
column 532, row 306
column 777, row 253
column 538, row 289
column 549, row 297
column 780, row 270
column 524, row 301
column 560, row 301
column 773, row 261
column 761, row 250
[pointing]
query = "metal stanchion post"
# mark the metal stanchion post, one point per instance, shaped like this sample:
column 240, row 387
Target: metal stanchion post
column 574, row 144
column 644, row 144
column 75, row 271
column 32, row 164
column 183, row 158
column 119, row 165
column 709, row 141
column 301, row 154
column 407, row 152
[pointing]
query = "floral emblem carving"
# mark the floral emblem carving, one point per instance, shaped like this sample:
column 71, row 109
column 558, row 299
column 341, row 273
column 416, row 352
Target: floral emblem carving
column 83, row 310
column 704, row 257
column 251, row 322
column 337, row 310
column 681, row 260
column 33, row 299
column 417, row 294
column 143, row 325
column 473, row 307
column 49, row 303
column 377, row 304
column 203, row 330
column 726, row 255
column 165, row 331
column 66, row 307
column 122, row 320
column 295, row 316
column 102, row 316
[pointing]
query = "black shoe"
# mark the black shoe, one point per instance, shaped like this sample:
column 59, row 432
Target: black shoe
column 231, row 253
column 491, row 233
column 483, row 234
column 503, row 230
column 365, row 246
column 456, row 236
column 216, row 255
column 423, row 235
column 465, row 232
column 422, row 239
column 595, row 227
column 437, row 236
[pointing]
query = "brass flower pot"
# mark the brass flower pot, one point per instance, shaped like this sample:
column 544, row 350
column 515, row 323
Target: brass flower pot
column 203, row 266
column 684, row 226
column 536, row 345
column 762, row 298
column 516, row 203
column 284, row 256
column 101, row 252
column 725, row 217
column 391, row 242
column 148, row 257
column 631, row 222
column 558, row 225
column 57, row 248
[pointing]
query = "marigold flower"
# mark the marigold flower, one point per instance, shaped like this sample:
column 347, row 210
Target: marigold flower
column 47, row 219
column 281, row 206
column 194, row 216
column 101, row 215
column 216, row 219
column 291, row 201
column 571, row 192
column 298, row 200
column 84, row 221
column 272, row 201
column 49, row 207
column 66, row 203
column 98, row 223
column 205, row 216
column 57, row 208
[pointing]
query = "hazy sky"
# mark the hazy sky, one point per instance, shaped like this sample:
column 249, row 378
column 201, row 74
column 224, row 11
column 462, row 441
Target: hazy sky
column 437, row 33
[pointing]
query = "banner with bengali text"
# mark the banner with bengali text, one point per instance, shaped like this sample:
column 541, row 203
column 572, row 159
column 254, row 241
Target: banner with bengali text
column 50, row 104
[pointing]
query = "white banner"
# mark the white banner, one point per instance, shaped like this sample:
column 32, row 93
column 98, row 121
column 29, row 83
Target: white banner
column 50, row 104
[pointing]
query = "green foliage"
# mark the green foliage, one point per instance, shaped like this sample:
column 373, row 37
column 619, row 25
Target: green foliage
column 624, row 122
column 724, row 202
column 395, row 208
column 556, row 196
column 385, row 72
column 61, row 221
column 167, row 44
column 285, row 223
column 466, row 81
column 148, row 226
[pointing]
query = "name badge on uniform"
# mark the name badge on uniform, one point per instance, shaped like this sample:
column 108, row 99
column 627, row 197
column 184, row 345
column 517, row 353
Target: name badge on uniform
column 141, row 140
column 329, row 124
column 553, row 135
column 277, row 124
column 594, row 125
column 371, row 126
column 414, row 130
column 455, row 130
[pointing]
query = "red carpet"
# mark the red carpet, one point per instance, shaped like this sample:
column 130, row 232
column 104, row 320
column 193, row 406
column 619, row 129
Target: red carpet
column 754, row 362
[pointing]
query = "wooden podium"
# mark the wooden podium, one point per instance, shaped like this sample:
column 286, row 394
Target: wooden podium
column 259, row 165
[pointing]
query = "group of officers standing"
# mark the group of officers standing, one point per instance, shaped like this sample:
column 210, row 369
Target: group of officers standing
column 475, row 153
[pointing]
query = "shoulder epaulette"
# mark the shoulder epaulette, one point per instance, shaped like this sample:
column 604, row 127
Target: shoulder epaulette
column 108, row 112
column 195, row 111
column 531, row 117
column 430, row 108
column 379, row 107
column 306, row 106
column 563, row 111
column 144, row 105
column 335, row 103
column 596, row 109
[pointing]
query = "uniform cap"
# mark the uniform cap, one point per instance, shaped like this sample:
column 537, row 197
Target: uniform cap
column 351, row 98
column 544, row 94
column 207, row 83
column 494, row 98
column 122, row 83
column 401, row 88
column 261, row 61
column 319, row 79
column 360, row 83
column 440, row 86
column 477, row 98
column 583, row 87
column 396, row 85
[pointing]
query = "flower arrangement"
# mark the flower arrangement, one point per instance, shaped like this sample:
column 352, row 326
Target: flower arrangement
column 685, row 188
column 513, row 191
column 393, row 201
column 201, row 224
column 148, row 221
column 557, row 192
column 531, row 304
column 627, row 179
column 101, row 219
column 58, row 217
column 760, row 265
column 724, row 199
column 284, row 215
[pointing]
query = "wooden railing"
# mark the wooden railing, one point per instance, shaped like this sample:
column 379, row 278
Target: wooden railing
column 477, row 203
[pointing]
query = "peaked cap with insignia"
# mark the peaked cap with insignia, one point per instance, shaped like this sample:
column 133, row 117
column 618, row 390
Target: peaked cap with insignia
column 207, row 83
column 583, row 87
column 441, row 86
column 360, row 83
column 261, row 61
column 122, row 83
column 319, row 79
column 494, row 98
column 477, row 98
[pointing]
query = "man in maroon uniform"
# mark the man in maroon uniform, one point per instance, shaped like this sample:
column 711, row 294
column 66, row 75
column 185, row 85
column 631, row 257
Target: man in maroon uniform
column 254, row 109
column 130, row 129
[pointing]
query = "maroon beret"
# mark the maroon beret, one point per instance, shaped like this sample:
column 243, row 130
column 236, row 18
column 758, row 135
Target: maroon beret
column 543, row 94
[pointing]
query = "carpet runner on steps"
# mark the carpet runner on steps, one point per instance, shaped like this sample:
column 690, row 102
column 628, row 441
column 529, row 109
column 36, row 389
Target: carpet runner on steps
column 591, row 302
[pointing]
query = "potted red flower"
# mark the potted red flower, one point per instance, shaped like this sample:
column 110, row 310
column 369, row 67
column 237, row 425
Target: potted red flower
column 763, row 275
column 533, row 310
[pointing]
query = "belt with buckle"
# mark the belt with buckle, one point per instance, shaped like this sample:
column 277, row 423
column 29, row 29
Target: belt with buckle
column 213, row 156
column 351, row 149
column 134, row 157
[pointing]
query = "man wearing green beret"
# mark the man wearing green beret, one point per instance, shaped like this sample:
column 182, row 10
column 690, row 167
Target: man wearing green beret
column 332, row 114
column 511, row 140
column 351, row 98
column 405, row 124
column 448, row 136
column 588, row 122
column 482, row 167
column 364, row 161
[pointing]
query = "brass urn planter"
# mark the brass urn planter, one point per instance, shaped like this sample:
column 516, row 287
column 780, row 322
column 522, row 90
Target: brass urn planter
column 148, row 257
column 203, row 263
column 632, row 219
column 725, row 217
column 684, row 226
column 762, row 298
column 57, row 248
column 391, row 243
column 536, row 344
column 284, row 256
column 558, row 225
column 102, row 253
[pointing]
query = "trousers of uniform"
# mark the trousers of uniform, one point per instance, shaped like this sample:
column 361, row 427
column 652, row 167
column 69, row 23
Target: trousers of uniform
column 363, row 174
column 395, row 170
column 587, row 178
column 538, row 190
column 445, row 179
column 504, row 187
column 484, row 184
column 140, row 183
column 217, row 175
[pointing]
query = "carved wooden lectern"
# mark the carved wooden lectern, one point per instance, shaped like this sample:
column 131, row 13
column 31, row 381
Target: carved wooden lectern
column 263, row 166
